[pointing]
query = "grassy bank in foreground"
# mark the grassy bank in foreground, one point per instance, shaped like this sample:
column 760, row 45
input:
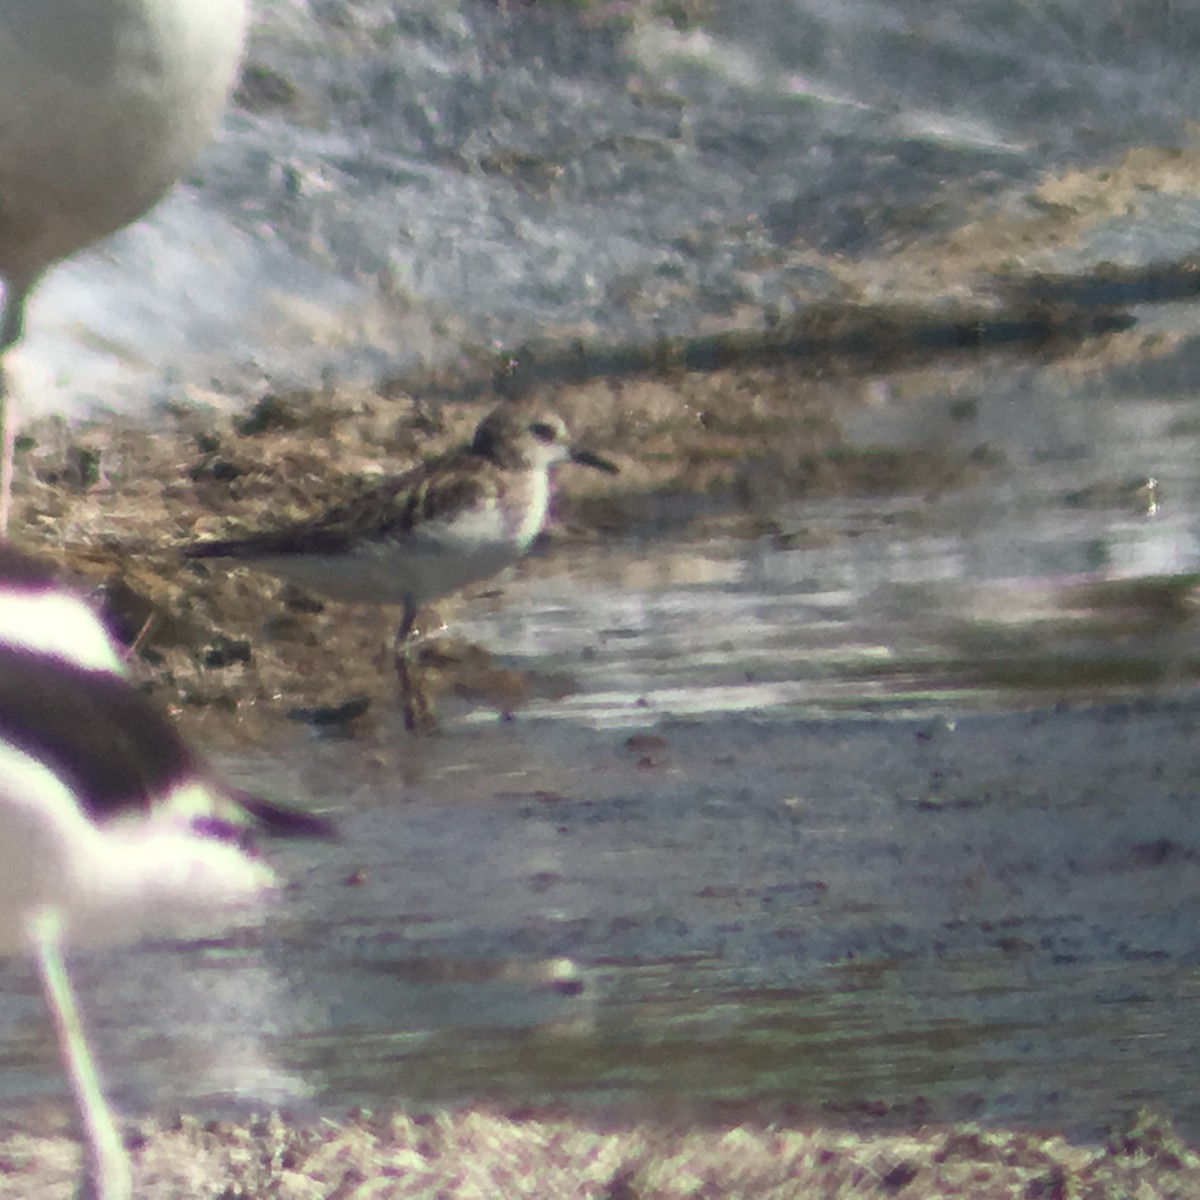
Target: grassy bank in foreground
column 488, row 1156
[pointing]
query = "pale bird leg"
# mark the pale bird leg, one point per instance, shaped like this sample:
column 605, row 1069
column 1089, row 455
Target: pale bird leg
column 106, row 1165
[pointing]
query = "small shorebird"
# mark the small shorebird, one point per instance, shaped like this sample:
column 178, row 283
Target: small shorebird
column 450, row 521
column 109, row 823
column 105, row 105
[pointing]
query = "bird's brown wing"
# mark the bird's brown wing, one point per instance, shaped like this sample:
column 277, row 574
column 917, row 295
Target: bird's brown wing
column 433, row 493
column 393, row 508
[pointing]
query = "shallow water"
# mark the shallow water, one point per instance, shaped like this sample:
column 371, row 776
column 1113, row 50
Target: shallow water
column 889, row 916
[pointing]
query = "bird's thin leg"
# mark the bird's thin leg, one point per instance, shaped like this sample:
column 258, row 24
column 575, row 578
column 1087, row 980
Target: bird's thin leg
column 106, row 1165
column 417, row 712
column 16, row 294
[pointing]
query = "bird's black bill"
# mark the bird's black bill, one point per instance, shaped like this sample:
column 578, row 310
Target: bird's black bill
column 585, row 458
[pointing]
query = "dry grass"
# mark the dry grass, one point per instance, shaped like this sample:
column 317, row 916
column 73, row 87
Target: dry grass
column 474, row 1155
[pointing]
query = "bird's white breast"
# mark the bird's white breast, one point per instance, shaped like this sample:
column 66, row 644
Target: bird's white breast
column 534, row 517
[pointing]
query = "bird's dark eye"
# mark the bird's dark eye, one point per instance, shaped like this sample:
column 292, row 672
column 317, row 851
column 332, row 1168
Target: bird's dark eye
column 543, row 432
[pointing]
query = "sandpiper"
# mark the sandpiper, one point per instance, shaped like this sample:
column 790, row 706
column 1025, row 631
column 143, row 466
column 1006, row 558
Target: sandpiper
column 418, row 536
column 104, row 108
column 109, row 823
